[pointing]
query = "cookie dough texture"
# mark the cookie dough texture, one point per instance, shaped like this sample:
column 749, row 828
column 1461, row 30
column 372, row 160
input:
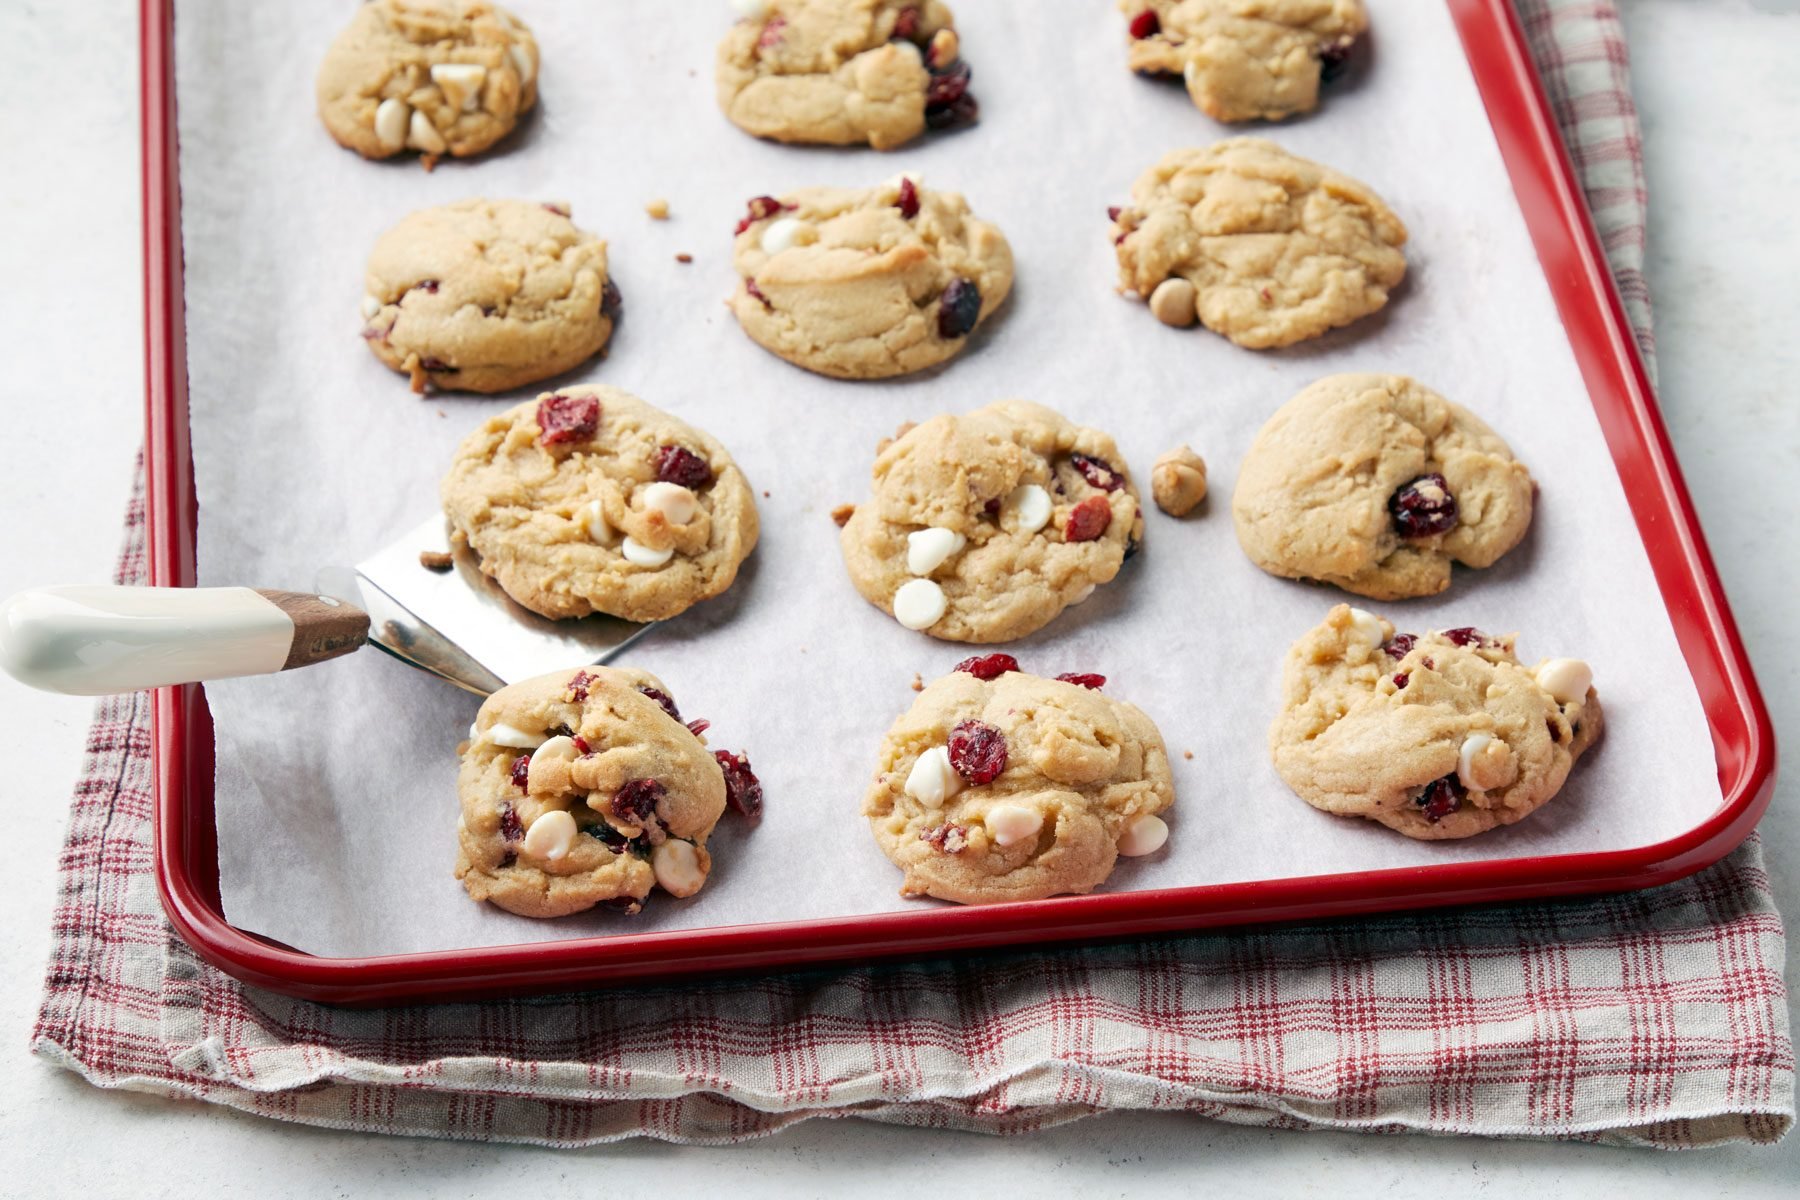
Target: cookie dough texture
column 1278, row 249
column 1178, row 481
column 429, row 76
column 1313, row 493
column 965, row 474
column 1368, row 723
column 487, row 295
column 830, row 72
column 1246, row 60
column 631, row 743
column 852, row 287
column 1086, row 764
column 551, row 522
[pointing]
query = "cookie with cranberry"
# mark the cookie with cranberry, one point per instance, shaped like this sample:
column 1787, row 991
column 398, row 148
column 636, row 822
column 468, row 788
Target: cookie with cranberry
column 590, row 500
column 583, row 787
column 487, row 295
column 1259, row 245
column 1377, row 484
column 1438, row 735
column 844, row 72
column 1245, row 62
column 983, row 527
column 867, row 283
column 998, row 785
column 431, row 77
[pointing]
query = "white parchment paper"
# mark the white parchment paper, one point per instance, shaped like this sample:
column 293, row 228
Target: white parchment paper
column 336, row 798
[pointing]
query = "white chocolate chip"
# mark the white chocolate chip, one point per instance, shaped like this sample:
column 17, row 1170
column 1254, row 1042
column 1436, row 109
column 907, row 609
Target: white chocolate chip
column 929, row 549
column 370, row 306
column 919, row 604
column 1468, row 760
column 636, row 552
column 932, row 779
column 671, row 500
column 391, row 118
column 460, row 83
column 677, row 867
column 1029, row 506
column 525, row 64
column 909, row 49
column 550, row 836
column 1009, row 823
column 1145, row 835
column 788, row 231
column 751, row 10
column 595, row 519
column 423, row 135
column 550, row 758
column 1083, row 594
column 1190, row 73
column 502, row 734
column 474, row 733
column 1172, row 302
column 1367, row 626
column 1567, row 679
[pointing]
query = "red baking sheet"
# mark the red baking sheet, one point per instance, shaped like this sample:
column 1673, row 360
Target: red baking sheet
column 1550, row 199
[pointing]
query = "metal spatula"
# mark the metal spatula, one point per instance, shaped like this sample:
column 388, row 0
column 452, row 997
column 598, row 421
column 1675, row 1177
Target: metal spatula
column 456, row 624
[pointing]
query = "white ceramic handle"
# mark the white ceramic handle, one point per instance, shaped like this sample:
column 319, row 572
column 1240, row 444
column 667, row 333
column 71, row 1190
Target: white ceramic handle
column 93, row 641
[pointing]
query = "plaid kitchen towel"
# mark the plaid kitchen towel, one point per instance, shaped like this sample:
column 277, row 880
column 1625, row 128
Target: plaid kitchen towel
column 1657, row 1018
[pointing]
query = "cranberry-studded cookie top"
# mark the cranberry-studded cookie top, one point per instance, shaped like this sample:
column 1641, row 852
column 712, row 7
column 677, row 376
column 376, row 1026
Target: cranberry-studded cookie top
column 589, row 500
column 1377, row 484
column 1438, row 735
column 867, row 283
column 997, row 785
column 582, row 787
column 430, row 76
column 487, row 295
column 1245, row 61
column 843, row 72
column 1261, row 246
column 983, row 527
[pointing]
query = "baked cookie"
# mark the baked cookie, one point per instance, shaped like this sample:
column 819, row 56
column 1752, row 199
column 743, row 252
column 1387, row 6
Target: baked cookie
column 843, row 72
column 983, row 527
column 867, row 283
column 997, row 785
column 1437, row 735
column 487, row 295
column 1245, row 61
column 589, row 500
column 1375, row 483
column 432, row 76
column 1263, row 247
column 583, row 787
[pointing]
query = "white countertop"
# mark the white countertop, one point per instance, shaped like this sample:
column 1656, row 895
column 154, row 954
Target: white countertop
column 1717, row 87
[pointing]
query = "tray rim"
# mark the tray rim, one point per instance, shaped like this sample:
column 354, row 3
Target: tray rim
column 1569, row 250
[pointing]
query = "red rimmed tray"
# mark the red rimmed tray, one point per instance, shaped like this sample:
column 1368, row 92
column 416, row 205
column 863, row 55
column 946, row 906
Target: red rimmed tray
column 1569, row 252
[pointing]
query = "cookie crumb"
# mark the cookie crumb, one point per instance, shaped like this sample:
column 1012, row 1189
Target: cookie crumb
column 765, row 493
column 684, row 257
column 442, row 413
column 918, row 683
column 658, row 209
column 1187, row 754
column 436, row 560
column 842, row 513
column 1178, row 481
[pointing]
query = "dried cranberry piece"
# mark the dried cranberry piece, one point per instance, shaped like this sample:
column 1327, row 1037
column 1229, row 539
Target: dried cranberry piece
column 579, row 685
column 908, row 203
column 948, row 102
column 906, row 24
column 977, row 751
column 1112, row 212
column 958, row 308
column 567, row 419
column 949, row 838
column 751, row 288
column 663, row 698
column 1440, row 798
column 761, row 209
column 511, row 828
column 1400, row 645
column 743, row 790
column 1423, row 507
column 438, row 365
column 1400, row 680
column 1466, row 635
column 678, row 464
column 1080, row 679
column 521, row 771
column 609, row 837
column 987, row 666
column 611, row 299
column 581, row 745
column 771, row 32
column 625, row 906
column 1145, row 24
column 428, row 286
column 1097, row 471
column 636, row 800
column 992, row 507
column 699, row 726
column 1334, row 56
column 1087, row 520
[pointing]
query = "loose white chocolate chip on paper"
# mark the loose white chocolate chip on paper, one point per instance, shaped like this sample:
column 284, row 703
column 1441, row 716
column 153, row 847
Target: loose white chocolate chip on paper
column 1029, row 506
column 932, row 779
column 1144, row 835
column 636, row 552
column 676, row 865
column 929, row 549
column 919, row 604
column 550, row 836
column 1009, row 823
